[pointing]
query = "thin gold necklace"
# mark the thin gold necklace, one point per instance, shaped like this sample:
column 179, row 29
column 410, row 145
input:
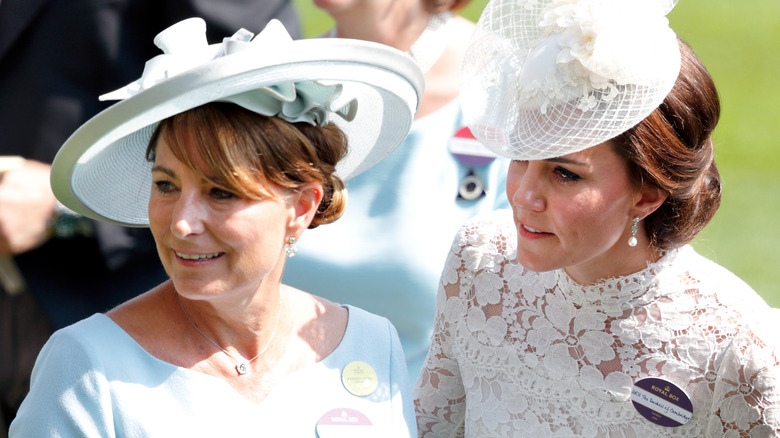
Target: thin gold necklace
column 242, row 365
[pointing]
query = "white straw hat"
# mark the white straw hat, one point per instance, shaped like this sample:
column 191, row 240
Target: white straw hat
column 545, row 78
column 371, row 91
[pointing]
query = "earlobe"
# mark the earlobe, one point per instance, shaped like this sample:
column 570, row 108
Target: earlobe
column 304, row 205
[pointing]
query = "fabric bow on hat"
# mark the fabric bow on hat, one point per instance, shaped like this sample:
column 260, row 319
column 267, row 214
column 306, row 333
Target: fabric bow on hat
column 185, row 47
column 596, row 45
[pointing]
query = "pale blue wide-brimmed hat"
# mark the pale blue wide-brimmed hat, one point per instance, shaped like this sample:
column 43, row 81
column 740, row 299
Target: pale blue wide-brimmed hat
column 371, row 91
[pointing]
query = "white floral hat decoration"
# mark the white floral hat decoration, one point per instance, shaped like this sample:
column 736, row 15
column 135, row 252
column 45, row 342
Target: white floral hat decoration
column 371, row 91
column 545, row 78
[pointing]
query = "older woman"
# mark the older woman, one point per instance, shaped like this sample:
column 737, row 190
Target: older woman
column 585, row 312
column 229, row 152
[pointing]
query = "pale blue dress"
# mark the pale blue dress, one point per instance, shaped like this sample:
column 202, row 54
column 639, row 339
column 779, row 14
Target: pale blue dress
column 93, row 380
column 386, row 253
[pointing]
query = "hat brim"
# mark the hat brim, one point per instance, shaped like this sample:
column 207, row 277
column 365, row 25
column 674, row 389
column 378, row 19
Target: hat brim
column 101, row 171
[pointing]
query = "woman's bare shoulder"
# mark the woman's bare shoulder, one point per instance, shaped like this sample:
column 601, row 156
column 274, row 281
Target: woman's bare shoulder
column 146, row 316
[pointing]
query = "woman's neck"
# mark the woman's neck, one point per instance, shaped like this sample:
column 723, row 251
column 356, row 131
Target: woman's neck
column 398, row 24
column 631, row 260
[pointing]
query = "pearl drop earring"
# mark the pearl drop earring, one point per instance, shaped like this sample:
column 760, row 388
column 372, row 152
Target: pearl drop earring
column 632, row 240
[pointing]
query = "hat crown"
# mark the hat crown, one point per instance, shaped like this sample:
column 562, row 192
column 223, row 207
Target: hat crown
column 185, row 48
column 544, row 78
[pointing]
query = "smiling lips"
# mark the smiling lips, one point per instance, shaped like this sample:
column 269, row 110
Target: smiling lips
column 533, row 230
column 198, row 257
column 528, row 232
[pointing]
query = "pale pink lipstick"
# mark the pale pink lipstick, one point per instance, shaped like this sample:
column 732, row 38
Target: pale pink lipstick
column 530, row 233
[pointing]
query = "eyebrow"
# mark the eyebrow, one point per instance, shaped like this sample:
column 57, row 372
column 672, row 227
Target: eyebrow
column 564, row 160
column 172, row 174
column 164, row 170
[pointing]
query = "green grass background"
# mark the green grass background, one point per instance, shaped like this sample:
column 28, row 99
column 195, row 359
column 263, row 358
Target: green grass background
column 739, row 42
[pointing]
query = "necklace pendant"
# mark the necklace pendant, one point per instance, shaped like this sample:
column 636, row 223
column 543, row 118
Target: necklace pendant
column 242, row 368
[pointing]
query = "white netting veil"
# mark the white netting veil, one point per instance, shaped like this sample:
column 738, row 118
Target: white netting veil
column 545, row 78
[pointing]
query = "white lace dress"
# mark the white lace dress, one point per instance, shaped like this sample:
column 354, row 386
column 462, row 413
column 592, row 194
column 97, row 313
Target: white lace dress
column 520, row 353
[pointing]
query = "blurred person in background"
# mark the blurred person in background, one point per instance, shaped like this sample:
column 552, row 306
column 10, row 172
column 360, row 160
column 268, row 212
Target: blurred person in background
column 55, row 57
column 385, row 255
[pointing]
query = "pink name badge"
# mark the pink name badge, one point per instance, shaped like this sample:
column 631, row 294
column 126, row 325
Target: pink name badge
column 343, row 423
column 661, row 402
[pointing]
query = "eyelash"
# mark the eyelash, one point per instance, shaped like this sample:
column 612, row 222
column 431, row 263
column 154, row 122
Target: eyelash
column 166, row 187
column 562, row 174
column 565, row 175
column 163, row 186
column 222, row 194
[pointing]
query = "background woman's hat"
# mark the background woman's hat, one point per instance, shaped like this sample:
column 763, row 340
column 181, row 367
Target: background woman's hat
column 545, row 78
column 371, row 91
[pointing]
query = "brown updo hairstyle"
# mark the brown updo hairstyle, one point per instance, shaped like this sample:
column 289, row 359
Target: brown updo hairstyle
column 672, row 149
column 439, row 6
column 247, row 152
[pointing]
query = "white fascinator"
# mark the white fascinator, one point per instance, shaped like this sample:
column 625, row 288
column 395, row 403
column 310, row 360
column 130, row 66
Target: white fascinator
column 545, row 78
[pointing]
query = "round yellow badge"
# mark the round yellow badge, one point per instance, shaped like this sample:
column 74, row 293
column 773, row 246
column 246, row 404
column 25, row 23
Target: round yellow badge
column 359, row 378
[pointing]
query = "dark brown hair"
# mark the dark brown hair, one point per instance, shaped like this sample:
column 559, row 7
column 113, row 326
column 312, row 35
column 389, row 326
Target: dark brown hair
column 672, row 149
column 248, row 152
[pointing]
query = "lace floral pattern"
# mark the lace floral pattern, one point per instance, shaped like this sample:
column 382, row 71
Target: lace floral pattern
column 520, row 353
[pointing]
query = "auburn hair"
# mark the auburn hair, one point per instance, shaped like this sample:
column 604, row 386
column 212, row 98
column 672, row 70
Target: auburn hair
column 672, row 149
column 245, row 153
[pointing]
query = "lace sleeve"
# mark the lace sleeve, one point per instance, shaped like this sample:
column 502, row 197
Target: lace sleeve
column 440, row 398
column 746, row 393
column 439, row 394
